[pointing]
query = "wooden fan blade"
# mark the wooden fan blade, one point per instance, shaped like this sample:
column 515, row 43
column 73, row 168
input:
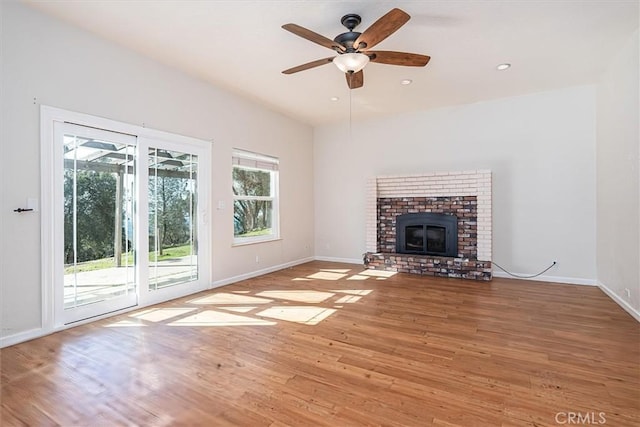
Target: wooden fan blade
column 381, row 29
column 355, row 80
column 398, row 58
column 313, row 37
column 308, row 65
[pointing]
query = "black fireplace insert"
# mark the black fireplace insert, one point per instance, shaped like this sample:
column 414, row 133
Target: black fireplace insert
column 427, row 233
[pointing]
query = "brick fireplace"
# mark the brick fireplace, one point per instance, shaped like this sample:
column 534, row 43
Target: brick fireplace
column 465, row 195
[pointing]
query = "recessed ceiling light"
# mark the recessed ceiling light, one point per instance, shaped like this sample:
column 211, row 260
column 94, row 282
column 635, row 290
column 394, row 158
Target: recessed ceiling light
column 406, row 82
column 334, row 98
column 503, row 67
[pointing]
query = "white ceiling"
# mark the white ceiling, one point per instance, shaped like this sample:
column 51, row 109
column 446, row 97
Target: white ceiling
column 239, row 45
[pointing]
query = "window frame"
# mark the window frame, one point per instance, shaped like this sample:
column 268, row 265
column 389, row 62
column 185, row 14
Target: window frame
column 248, row 160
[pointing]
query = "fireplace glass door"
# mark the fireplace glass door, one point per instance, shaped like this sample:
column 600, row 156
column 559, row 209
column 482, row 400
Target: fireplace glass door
column 414, row 241
column 436, row 239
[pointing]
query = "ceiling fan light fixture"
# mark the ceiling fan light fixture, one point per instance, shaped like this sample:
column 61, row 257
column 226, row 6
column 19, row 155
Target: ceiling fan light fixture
column 351, row 62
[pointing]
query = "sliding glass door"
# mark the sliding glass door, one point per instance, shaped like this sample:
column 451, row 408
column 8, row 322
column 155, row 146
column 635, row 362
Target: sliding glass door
column 129, row 220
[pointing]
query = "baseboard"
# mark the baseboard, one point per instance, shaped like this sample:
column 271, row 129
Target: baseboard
column 622, row 303
column 252, row 274
column 344, row 260
column 22, row 337
column 551, row 279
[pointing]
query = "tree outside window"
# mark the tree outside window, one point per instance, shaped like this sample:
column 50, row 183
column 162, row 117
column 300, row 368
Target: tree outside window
column 255, row 179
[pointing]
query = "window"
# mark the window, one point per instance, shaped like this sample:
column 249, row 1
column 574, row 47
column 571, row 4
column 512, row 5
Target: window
column 255, row 197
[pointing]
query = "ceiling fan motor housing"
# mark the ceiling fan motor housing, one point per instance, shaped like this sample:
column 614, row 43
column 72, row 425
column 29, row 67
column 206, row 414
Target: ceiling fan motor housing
column 347, row 40
column 350, row 21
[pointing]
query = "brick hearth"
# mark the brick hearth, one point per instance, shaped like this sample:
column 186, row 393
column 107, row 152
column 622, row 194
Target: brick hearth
column 464, row 194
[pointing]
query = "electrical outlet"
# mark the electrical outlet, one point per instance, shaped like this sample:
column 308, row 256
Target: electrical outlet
column 257, row 259
column 627, row 292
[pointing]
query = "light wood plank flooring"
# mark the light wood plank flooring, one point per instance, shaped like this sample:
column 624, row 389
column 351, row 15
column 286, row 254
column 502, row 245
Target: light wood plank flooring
column 326, row 344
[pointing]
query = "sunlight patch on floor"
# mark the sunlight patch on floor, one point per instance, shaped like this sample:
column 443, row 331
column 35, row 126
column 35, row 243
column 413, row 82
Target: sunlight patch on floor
column 353, row 291
column 226, row 298
column 244, row 309
column 263, row 307
column 348, row 299
column 217, row 318
column 310, row 297
column 326, row 275
column 378, row 273
column 336, row 270
column 161, row 314
column 301, row 314
column 125, row 324
column 358, row 277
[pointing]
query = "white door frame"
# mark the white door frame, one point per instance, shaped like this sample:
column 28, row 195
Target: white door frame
column 50, row 115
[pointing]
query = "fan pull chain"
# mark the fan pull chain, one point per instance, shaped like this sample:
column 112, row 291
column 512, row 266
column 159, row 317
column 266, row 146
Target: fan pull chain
column 350, row 114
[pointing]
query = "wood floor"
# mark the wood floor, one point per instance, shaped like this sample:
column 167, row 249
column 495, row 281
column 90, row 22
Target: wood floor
column 322, row 345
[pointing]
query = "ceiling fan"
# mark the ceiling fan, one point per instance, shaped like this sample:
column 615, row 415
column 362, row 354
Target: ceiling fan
column 353, row 47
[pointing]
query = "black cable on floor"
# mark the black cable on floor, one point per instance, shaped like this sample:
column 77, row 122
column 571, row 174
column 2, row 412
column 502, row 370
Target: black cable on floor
column 524, row 277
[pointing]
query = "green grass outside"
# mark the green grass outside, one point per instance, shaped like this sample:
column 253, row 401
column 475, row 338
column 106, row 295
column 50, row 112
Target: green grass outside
column 261, row 232
column 127, row 259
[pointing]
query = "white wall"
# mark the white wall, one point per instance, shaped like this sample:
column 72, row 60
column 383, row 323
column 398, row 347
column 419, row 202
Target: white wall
column 540, row 147
column 65, row 67
column 618, row 189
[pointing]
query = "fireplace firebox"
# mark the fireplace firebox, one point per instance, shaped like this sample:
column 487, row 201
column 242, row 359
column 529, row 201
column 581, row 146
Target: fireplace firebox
column 427, row 233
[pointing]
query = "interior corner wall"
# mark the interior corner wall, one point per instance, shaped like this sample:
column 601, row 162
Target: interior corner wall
column 540, row 149
column 45, row 61
column 618, row 176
